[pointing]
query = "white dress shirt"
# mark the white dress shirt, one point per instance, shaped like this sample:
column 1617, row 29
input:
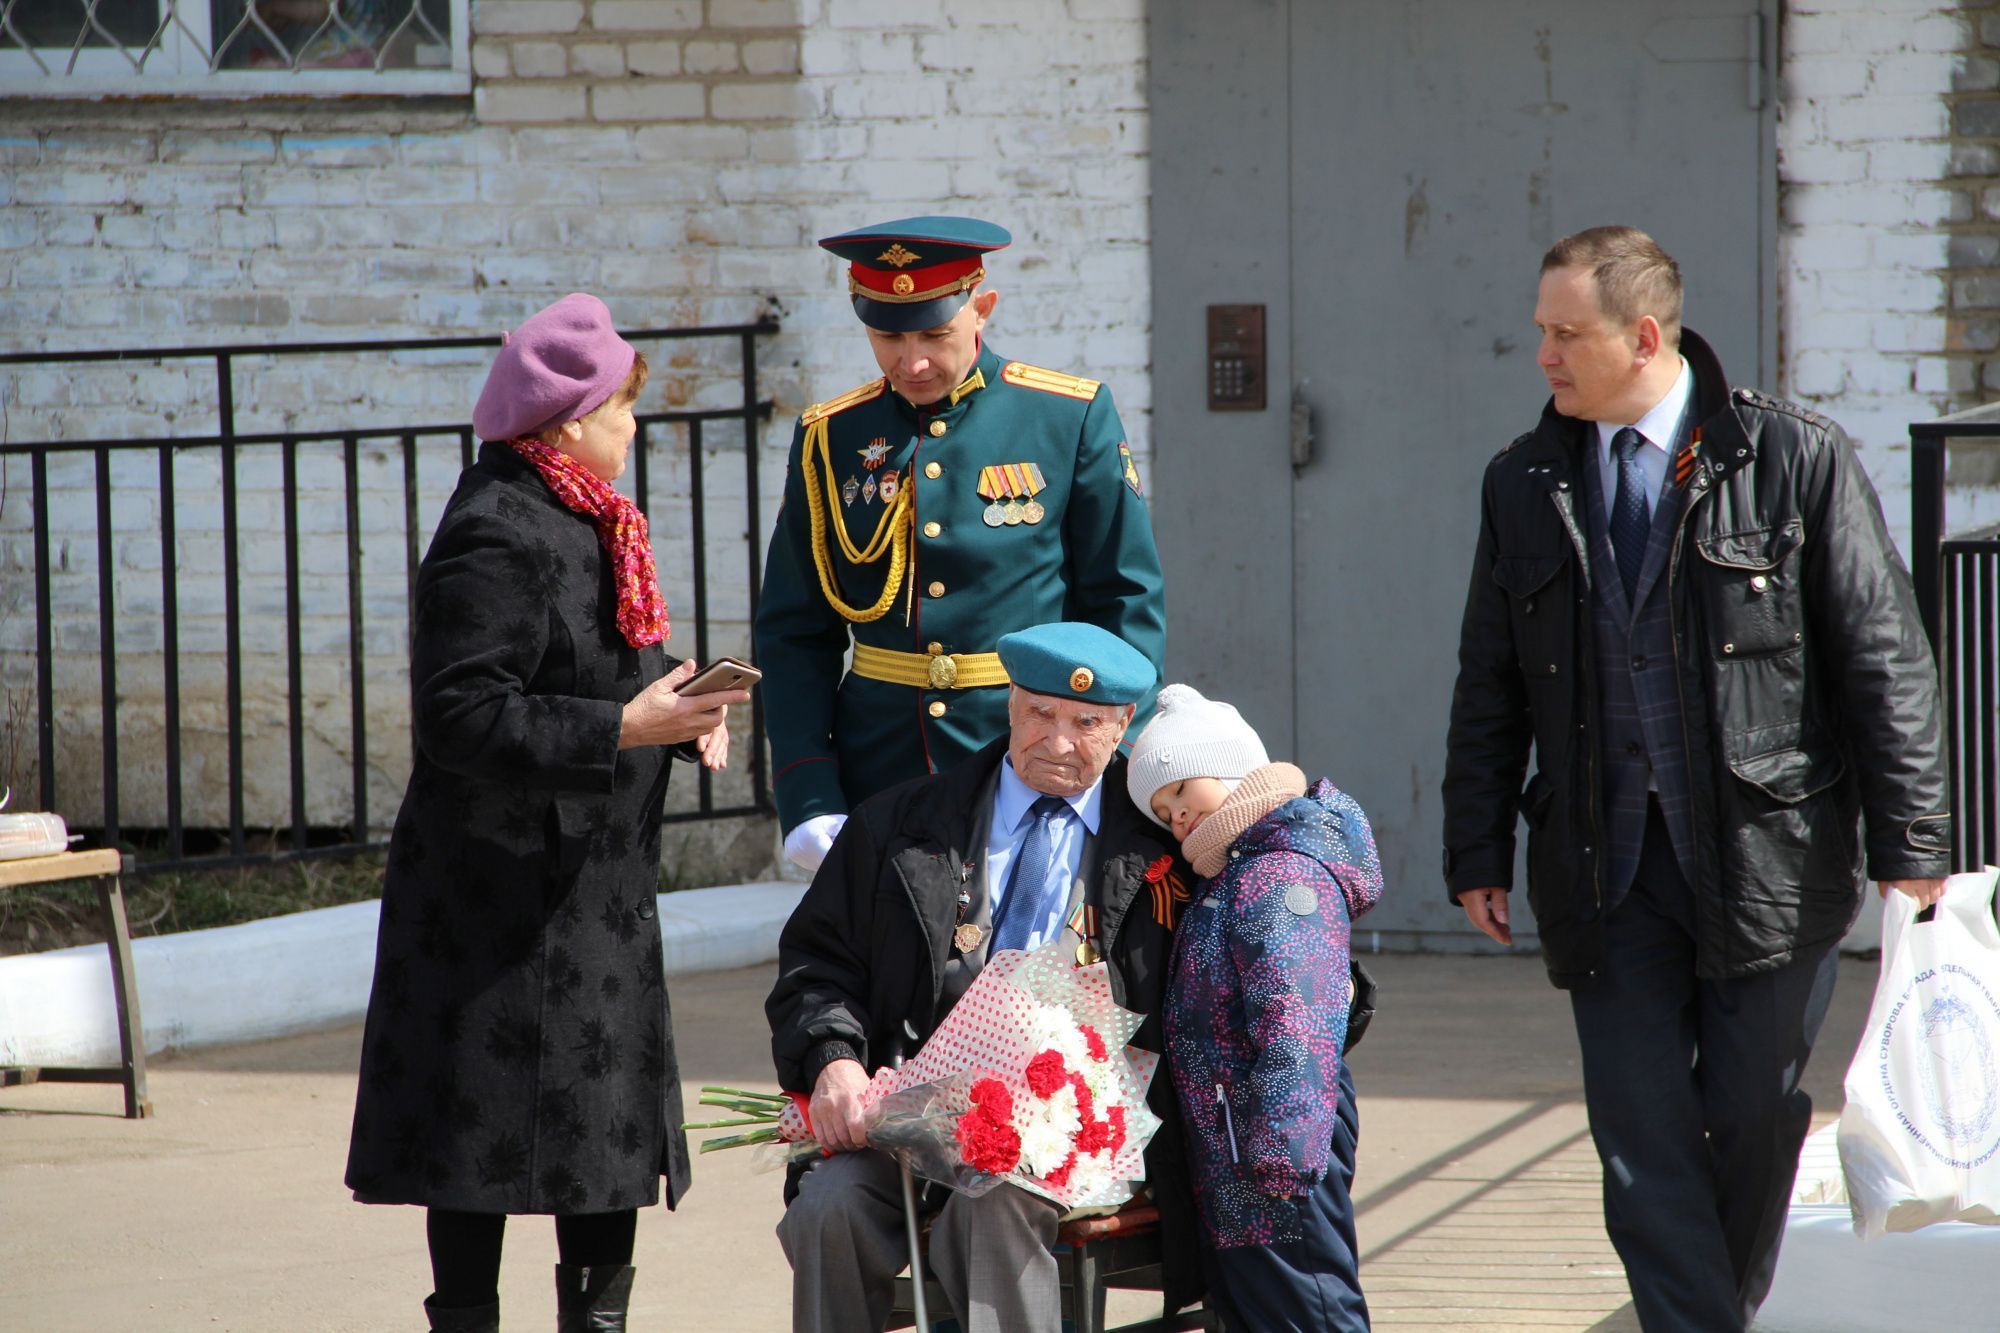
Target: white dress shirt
column 1658, row 427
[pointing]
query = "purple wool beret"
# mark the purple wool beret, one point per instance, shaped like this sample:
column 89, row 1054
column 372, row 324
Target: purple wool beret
column 563, row 364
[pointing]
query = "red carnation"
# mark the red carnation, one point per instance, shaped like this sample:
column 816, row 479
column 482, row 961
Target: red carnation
column 1084, row 1104
column 1046, row 1073
column 987, row 1146
column 1158, row 870
column 1115, row 1117
column 986, row 1137
column 1059, row 1177
column 1093, row 1041
column 994, row 1098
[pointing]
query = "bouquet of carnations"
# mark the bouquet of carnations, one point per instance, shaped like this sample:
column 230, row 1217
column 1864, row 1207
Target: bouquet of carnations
column 1028, row 1081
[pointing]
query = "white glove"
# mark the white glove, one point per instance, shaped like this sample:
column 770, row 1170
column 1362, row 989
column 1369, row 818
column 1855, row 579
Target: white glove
column 807, row 845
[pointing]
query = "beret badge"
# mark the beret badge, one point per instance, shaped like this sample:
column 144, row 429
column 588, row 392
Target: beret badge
column 1082, row 679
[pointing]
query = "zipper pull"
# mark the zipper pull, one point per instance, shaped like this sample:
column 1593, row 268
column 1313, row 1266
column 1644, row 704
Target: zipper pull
column 1228, row 1123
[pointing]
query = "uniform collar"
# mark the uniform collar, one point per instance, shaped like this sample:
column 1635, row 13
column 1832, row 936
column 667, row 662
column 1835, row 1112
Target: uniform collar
column 985, row 371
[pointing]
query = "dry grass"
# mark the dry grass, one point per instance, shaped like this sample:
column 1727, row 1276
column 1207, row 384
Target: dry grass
column 57, row 916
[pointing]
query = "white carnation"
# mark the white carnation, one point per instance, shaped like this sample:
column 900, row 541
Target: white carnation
column 1049, row 1136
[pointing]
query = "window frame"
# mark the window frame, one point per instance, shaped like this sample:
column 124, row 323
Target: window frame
column 177, row 66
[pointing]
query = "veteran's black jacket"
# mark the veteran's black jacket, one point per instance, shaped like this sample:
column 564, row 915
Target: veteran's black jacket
column 1807, row 684
column 864, row 953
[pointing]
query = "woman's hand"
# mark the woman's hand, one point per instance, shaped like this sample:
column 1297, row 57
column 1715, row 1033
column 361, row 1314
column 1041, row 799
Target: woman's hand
column 659, row 716
column 714, row 749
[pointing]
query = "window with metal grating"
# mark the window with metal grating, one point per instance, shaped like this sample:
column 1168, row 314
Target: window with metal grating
column 233, row 48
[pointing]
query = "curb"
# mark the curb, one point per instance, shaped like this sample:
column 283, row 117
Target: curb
column 298, row 973
column 1829, row 1281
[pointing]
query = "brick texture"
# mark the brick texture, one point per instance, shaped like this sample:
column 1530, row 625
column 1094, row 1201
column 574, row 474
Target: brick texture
column 1889, row 159
column 675, row 156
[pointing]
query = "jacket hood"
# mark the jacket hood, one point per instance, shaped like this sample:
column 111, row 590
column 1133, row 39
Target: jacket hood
column 1327, row 825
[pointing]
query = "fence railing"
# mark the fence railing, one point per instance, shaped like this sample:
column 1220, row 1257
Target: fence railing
column 1957, row 582
column 396, row 450
column 1971, row 669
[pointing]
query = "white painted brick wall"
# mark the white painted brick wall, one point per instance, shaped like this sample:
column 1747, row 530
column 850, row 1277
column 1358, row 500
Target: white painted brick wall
column 1864, row 165
column 677, row 157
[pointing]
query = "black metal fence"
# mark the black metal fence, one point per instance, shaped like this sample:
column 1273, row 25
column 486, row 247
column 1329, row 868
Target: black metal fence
column 689, row 428
column 1971, row 668
column 1957, row 584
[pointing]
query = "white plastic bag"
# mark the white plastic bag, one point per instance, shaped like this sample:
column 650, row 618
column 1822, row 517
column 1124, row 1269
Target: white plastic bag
column 1920, row 1135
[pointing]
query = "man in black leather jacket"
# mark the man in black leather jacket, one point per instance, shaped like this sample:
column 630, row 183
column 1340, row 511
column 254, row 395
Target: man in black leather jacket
column 1685, row 597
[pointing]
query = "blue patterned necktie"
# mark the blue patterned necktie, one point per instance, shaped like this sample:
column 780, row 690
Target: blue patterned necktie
column 1026, row 903
column 1629, row 525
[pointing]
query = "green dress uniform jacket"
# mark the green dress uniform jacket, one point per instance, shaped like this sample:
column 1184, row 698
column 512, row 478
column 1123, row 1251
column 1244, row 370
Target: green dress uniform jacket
column 837, row 737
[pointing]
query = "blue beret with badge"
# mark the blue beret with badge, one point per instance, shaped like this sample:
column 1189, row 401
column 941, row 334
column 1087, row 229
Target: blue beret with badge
column 1072, row 660
column 915, row 273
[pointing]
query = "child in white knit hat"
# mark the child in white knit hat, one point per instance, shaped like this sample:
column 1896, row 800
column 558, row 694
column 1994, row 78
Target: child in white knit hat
column 1257, row 1010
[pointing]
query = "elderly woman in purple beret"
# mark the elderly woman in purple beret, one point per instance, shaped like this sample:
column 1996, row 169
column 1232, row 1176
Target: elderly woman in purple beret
column 519, row 1053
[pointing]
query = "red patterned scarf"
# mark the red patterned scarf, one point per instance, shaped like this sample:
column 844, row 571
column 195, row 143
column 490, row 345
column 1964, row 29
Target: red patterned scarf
column 621, row 528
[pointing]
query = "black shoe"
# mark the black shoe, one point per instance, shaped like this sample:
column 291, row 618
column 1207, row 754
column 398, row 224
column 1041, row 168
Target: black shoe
column 464, row 1319
column 592, row 1299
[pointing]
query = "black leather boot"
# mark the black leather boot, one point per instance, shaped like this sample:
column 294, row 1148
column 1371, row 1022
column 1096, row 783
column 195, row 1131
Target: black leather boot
column 466, row 1319
column 592, row 1299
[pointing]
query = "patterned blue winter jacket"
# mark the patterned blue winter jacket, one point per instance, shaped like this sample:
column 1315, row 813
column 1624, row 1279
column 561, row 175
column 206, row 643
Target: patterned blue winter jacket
column 1257, row 1011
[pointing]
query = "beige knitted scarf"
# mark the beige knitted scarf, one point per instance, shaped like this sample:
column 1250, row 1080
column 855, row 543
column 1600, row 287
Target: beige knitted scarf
column 1264, row 790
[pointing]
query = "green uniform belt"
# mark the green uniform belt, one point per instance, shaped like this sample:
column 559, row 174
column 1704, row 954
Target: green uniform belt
column 929, row 671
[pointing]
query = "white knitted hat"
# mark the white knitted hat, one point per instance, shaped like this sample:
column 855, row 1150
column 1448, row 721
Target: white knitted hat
column 1190, row 737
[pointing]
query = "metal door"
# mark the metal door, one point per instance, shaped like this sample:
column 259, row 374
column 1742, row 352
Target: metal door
column 1385, row 177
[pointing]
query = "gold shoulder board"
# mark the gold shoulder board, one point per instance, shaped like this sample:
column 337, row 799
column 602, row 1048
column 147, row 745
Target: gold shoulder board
column 1049, row 381
column 819, row 411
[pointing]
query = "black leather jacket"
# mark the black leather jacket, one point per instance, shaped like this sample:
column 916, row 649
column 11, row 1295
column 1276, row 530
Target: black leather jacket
column 1808, row 688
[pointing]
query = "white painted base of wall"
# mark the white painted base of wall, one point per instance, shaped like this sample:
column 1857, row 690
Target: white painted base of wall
column 1831, row 1282
column 297, row 973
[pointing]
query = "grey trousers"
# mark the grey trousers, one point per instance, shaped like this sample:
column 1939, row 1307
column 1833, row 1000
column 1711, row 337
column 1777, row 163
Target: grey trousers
column 843, row 1235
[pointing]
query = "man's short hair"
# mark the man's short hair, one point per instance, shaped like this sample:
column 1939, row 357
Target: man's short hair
column 1634, row 275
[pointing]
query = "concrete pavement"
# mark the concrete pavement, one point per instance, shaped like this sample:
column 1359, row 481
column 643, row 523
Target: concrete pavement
column 1477, row 1188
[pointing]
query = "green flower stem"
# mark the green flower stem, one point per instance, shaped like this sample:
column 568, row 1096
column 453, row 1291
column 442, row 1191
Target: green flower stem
column 725, row 1124
column 768, row 1134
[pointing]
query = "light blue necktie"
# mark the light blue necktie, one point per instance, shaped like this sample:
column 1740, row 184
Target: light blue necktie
column 1629, row 525
column 1026, row 902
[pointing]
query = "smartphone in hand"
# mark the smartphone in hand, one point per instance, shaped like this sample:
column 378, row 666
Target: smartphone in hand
column 724, row 673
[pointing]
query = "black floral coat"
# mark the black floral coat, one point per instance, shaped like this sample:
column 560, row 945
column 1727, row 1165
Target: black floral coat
column 519, row 1053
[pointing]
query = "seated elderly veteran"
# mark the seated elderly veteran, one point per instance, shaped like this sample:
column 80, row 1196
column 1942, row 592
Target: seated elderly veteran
column 1002, row 851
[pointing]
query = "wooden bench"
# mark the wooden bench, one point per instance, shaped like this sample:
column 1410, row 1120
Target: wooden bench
column 1093, row 1255
column 105, row 867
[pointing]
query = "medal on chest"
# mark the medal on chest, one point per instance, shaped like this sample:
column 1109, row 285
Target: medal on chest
column 1084, row 922
column 1010, row 489
column 966, row 935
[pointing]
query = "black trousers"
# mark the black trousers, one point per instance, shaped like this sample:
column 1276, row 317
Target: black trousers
column 1695, row 1106
column 1312, row 1284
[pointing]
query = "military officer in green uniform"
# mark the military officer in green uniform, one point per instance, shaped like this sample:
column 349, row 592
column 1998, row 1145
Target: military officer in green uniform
column 957, row 498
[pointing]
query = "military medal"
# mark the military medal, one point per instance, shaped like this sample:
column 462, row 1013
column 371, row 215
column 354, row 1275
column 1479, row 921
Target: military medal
column 1017, row 484
column 868, row 490
column 848, row 490
column 1031, row 486
column 1084, row 922
column 889, row 483
column 993, row 488
column 967, row 937
column 874, row 454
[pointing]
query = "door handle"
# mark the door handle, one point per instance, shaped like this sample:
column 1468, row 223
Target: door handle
column 1302, row 428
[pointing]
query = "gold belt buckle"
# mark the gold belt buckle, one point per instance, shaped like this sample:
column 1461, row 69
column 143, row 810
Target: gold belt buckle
column 943, row 672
